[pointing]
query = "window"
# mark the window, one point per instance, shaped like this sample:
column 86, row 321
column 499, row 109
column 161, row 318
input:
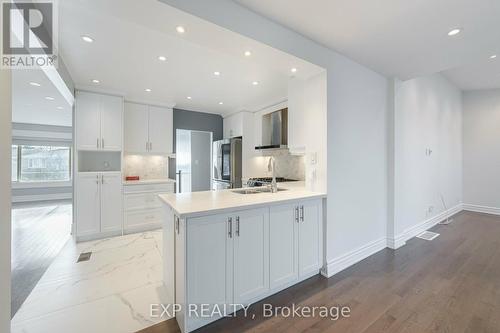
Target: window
column 41, row 163
column 14, row 163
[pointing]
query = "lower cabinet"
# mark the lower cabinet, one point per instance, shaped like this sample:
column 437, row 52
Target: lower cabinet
column 250, row 255
column 99, row 209
column 243, row 256
column 142, row 207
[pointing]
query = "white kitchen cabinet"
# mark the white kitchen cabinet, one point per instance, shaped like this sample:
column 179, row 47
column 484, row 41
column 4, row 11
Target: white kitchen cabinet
column 283, row 253
column 243, row 256
column 160, row 130
column 98, row 122
column 309, row 237
column 111, row 202
column 98, row 205
column 209, row 263
column 88, row 204
column 297, row 114
column 142, row 206
column 233, row 125
column 136, row 128
column 251, row 255
column 148, row 129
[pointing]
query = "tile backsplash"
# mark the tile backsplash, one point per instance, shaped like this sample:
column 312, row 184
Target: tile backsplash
column 287, row 165
column 146, row 166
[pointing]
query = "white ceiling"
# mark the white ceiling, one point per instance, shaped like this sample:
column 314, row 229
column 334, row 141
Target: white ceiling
column 29, row 104
column 398, row 38
column 130, row 35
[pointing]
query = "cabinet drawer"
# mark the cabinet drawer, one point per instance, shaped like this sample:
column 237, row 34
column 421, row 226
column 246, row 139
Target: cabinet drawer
column 140, row 188
column 143, row 218
column 141, row 201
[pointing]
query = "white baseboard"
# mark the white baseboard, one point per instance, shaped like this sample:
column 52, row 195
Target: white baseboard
column 339, row 264
column 482, row 209
column 41, row 197
column 400, row 240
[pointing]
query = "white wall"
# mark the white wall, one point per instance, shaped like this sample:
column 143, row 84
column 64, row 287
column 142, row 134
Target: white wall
column 428, row 115
column 356, row 124
column 5, row 221
column 482, row 150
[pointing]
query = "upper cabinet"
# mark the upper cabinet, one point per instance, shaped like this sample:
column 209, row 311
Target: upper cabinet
column 148, row 129
column 98, row 122
column 233, row 125
column 307, row 109
column 296, row 116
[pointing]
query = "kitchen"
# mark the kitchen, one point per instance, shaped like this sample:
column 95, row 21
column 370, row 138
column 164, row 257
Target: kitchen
column 225, row 121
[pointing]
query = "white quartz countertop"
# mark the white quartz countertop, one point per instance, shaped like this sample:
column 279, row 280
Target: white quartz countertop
column 148, row 181
column 215, row 202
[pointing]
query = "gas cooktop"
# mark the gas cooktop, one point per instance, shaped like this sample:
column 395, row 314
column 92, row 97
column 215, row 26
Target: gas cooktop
column 254, row 182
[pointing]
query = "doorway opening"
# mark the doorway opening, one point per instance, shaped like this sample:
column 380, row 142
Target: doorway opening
column 193, row 161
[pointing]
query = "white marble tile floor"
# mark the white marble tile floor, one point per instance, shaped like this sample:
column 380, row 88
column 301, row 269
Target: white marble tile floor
column 112, row 292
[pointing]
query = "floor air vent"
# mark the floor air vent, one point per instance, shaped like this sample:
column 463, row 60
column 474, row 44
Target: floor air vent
column 428, row 235
column 85, row 256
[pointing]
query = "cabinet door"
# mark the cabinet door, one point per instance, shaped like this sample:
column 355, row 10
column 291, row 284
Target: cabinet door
column 111, row 123
column 111, row 202
column 283, row 243
column 88, row 128
column 209, row 256
column 309, row 238
column 296, row 115
column 136, row 128
column 87, row 204
column 251, row 255
column 160, row 130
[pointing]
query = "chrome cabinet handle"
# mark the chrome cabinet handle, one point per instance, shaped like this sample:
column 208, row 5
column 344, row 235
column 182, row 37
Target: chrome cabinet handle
column 97, row 145
column 302, row 213
column 147, row 146
column 97, row 179
column 102, row 143
column 297, row 214
column 176, row 224
column 238, row 226
column 230, row 227
column 102, row 179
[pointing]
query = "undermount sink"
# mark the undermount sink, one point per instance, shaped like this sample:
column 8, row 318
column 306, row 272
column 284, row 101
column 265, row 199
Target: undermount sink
column 257, row 190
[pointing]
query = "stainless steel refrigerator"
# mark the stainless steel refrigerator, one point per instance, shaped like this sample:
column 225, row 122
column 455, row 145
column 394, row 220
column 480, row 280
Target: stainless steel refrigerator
column 226, row 164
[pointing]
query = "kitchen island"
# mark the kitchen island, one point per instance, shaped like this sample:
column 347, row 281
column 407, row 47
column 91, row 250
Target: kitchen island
column 224, row 250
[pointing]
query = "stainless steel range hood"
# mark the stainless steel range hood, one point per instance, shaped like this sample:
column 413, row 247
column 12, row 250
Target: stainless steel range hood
column 274, row 130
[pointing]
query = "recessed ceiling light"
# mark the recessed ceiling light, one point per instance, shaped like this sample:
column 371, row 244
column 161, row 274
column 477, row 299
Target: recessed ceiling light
column 147, row 90
column 189, row 97
column 454, row 32
column 87, row 39
column 255, row 83
column 35, row 84
column 162, row 58
column 220, row 103
column 217, row 73
column 493, row 56
column 60, row 108
column 49, row 98
column 180, row 29
column 96, row 81
column 293, row 70
column 248, row 53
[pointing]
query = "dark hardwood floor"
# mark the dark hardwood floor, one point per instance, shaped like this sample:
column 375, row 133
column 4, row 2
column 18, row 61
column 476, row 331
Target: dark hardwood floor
column 39, row 231
column 451, row 284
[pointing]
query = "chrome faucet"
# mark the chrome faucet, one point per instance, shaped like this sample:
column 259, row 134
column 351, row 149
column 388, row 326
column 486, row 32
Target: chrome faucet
column 271, row 167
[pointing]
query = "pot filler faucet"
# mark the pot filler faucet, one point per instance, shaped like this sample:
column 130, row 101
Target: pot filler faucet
column 271, row 167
